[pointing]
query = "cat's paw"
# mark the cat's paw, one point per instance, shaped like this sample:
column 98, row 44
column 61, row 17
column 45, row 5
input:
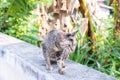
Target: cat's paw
column 49, row 67
column 61, row 71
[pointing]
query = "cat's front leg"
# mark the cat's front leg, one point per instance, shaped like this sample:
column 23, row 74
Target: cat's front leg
column 46, row 56
column 48, row 64
column 61, row 66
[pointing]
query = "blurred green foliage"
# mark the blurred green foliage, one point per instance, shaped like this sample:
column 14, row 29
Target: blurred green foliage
column 17, row 20
column 24, row 29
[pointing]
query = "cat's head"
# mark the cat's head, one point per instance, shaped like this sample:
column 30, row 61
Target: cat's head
column 68, row 40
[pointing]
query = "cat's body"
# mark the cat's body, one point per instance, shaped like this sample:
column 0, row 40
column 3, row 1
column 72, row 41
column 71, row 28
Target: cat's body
column 57, row 47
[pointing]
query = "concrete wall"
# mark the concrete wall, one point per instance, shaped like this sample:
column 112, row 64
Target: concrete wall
column 22, row 61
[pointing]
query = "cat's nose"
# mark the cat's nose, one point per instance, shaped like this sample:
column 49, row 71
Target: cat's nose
column 68, row 45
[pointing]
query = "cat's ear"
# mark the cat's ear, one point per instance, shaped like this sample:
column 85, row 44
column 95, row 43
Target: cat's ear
column 74, row 33
column 68, row 35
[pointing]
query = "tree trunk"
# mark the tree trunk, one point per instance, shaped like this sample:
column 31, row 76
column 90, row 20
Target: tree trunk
column 117, row 21
column 86, row 14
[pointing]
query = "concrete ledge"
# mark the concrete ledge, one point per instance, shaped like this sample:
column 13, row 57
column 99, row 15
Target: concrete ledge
column 27, row 60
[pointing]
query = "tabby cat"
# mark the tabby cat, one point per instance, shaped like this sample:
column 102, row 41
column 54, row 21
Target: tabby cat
column 57, row 47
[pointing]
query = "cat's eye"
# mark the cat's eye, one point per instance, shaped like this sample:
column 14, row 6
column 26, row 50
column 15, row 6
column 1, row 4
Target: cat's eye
column 71, row 40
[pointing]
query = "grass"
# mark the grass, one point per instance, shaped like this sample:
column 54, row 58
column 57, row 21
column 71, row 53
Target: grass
column 106, row 53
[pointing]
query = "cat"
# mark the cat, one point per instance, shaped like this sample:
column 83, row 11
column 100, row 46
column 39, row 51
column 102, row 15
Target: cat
column 57, row 47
